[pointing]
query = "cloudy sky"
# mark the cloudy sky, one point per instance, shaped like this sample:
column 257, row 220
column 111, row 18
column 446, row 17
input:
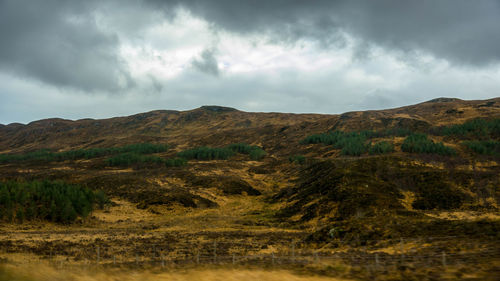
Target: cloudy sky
column 97, row 59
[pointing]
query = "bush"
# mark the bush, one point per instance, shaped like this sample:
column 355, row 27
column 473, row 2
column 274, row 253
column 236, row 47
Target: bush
column 257, row 154
column 489, row 147
column 206, row 153
column 298, row 159
column 47, row 200
column 382, row 147
column 419, row 143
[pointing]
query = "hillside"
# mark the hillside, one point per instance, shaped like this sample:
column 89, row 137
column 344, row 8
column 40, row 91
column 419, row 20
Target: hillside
column 356, row 184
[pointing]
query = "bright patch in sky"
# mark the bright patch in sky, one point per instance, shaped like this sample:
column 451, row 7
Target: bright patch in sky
column 124, row 57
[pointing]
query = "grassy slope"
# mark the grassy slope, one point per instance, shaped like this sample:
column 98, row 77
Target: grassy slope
column 188, row 206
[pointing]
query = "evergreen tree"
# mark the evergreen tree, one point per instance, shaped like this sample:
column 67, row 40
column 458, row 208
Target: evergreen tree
column 20, row 215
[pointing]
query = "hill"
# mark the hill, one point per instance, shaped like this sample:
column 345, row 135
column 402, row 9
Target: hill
column 257, row 182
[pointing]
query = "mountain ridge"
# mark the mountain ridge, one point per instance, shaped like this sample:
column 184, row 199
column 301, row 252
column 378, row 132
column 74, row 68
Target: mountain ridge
column 217, row 125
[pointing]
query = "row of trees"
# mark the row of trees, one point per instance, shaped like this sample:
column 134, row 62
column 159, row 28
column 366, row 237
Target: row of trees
column 482, row 129
column 351, row 143
column 254, row 151
column 358, row 143
column 382, row 147
column 223, row 153
column 420, row 143
column 484, row 147
column 206, row 153
column 49, row 156
column 131, row 158
column 47, row 200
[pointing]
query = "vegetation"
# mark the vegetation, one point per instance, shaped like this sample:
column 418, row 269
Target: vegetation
column 350, row 143
column 255, row 152
column 382, row 147
column 206, row 153
column 223, row 153
column 473, row 129
column 46, row 155
column 438, row 195
column 487, row 147
column 298, row 159
column 420, row 143
column 175, row 162
column 47, row 200
column 130, row 158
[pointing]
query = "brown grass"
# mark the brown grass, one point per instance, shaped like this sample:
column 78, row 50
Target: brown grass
column 47, row 273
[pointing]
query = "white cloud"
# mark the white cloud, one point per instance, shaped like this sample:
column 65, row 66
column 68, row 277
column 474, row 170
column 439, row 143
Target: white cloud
column 256, row 74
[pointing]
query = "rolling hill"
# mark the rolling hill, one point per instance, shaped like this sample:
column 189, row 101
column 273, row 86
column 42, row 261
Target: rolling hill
column 332, row 183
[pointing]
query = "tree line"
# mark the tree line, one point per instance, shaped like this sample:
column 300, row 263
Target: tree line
column 223, row 153
column 351, row 143
column 47, row 200
column 46, row 155
column 478, row 129
column 420, row 143
column 130, row 159
column 358, row 143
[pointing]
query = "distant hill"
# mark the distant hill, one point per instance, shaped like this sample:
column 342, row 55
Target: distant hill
column 215, row 126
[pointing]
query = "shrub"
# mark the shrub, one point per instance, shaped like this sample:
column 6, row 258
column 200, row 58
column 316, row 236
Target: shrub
column 255, row 152
column 328, row 138
column 434, row 193
column 175, row 162
column 143, row 148
column 206, row 153
column 131, row 158
column 298, row 159
column 382, row 147
column 489, row 147
column 419, row 143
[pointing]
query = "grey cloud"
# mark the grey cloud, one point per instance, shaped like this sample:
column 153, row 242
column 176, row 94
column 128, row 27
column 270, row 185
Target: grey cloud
column 460, row 31
column 207, row 63
column 60, row 43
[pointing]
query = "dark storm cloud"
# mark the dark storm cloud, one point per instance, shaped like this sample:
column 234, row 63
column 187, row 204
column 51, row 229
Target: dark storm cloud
column 59, row 43
column 461, row 31
column 207, row 63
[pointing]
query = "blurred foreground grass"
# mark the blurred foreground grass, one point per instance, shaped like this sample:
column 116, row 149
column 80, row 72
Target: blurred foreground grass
column 46, row 273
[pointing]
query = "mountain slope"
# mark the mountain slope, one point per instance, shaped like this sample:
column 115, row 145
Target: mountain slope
column 212, row 125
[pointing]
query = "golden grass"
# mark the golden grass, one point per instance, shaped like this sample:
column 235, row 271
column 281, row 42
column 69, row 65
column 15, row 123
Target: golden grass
column 47, row 273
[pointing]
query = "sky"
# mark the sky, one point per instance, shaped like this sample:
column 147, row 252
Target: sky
column 105, row 58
